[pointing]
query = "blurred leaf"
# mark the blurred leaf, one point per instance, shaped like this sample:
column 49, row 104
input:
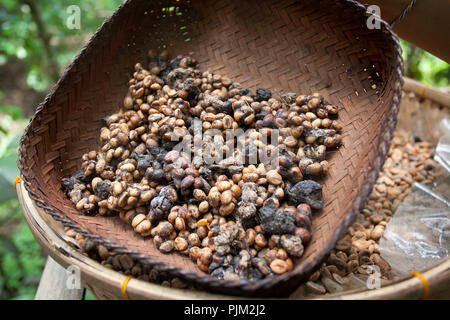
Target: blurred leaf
column 3, row 59
column 13, row 111
column 8, row 167
column 21, row 263
column 6, row 189
column 8, row 173
column 30, row 261
column 425, row 67
column 9, row 144
column 89, row 295
column 21, row 53
column 25, row 293
column 36, row 79
column 11, row 268
column 10, row 211
column 14, row 143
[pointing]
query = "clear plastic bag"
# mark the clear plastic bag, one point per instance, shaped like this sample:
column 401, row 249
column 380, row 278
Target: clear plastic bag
column 418, row 236
column 443, row 147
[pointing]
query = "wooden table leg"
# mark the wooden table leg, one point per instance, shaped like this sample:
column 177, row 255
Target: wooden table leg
column 58, row 283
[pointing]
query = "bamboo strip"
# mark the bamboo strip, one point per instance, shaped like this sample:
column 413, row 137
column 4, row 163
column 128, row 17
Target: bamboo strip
column 427, row 92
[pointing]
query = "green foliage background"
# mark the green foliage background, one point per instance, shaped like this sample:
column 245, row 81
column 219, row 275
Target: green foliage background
column 19, row 34
column 21, row 261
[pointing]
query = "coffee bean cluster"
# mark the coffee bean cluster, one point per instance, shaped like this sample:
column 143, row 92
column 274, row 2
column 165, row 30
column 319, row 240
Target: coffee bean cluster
column 122, row 263
column 236, row 218
column 350, row 263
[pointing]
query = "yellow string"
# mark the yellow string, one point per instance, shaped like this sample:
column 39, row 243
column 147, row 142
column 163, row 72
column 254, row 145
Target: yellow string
column 124, row 287
column 422, row 95
column 18, row 180
column 426, row 285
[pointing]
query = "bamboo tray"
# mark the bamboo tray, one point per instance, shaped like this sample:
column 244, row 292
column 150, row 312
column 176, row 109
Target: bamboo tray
column 293, row 46
column 107, row 284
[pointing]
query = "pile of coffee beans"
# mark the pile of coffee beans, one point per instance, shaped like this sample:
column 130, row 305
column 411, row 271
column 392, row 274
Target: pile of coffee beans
column 351, row 261
column 356, row 256
column 210, row 170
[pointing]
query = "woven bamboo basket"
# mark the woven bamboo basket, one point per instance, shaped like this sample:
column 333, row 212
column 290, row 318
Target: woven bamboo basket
column 107, row 284
column 293, row 46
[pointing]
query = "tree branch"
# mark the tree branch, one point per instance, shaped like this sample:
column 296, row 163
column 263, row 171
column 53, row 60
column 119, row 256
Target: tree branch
column 45, row 37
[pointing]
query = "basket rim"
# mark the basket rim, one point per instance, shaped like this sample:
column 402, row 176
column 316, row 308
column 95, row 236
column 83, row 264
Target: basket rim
column 242, row 287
